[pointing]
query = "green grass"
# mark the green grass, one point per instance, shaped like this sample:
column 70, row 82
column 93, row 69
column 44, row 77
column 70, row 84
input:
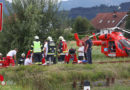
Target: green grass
column 60, row 76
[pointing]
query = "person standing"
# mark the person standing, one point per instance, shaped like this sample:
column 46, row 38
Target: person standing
column 37, row 50
column 51, row 55
column 45, row 49
column 11, row 57
column 88, row 50
column 81, row 52
column 62, row 49
column 22, row 59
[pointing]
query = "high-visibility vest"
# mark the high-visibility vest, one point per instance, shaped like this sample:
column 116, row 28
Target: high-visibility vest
column 37, row 47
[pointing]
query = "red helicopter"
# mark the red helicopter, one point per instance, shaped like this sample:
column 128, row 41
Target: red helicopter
column 112, row 44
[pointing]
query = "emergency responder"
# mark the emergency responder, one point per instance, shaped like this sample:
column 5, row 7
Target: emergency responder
column 22, row 59
column 62, row 49
column 51, row 55
column 36, row 48
column 11, row 57
column 88, row 50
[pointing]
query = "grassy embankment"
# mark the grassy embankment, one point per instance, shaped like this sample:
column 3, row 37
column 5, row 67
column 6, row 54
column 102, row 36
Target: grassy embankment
column 61, row 76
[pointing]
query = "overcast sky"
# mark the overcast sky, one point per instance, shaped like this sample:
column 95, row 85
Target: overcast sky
column 59, row 0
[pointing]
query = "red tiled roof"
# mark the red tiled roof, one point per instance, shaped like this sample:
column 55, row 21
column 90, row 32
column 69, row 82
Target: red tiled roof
column 106, row 20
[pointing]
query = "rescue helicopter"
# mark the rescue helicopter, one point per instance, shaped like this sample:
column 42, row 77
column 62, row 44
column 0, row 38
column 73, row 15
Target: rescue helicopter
column 113, row 44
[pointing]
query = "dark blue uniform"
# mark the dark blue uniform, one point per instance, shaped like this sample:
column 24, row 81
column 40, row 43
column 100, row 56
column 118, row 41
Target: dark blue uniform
column 88, row 55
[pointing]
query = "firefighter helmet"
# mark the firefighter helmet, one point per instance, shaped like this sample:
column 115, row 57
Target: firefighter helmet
column 23, row 54
column 49, row 38
column 36, row 37
column 61, row 38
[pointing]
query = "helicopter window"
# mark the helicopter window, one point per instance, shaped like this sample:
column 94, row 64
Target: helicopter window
column 125, row 43
column 119, row 45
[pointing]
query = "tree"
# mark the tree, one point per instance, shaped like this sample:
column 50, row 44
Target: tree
column 26, row 19
column 128, row 25
column 82, row 26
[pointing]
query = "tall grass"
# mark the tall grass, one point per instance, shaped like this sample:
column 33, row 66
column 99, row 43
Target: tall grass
column 60, row 76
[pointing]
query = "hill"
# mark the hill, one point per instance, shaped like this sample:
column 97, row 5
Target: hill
column 90, row 13
column 68, row 4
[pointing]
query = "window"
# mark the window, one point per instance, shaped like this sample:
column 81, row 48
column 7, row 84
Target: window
column 100, row 21
column 108, row 21
column 125, row 43
column 119, row 45
column 113, row 21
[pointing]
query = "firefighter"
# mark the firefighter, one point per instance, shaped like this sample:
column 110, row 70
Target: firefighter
column 36, row 48
column 22, row 59
column 51, row 55
column 11, row 57
column 62, row 49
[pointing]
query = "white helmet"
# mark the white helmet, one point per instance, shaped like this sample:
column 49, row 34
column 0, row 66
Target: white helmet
column 23, row 54
column 61, row 38
column 0, row 54
column 49, row 38
column 36, row 37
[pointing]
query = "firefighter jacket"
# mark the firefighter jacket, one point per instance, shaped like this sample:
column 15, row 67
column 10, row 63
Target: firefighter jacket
column 62, row 48
column 36, row 47
column 51, row 48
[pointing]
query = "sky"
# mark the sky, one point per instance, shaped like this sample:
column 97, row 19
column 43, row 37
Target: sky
column 68, row 4
column 59, row 0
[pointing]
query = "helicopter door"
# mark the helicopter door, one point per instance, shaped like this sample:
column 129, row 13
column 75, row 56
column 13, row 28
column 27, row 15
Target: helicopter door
column 112, row 46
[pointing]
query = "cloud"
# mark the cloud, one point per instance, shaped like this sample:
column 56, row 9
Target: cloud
column 9, row 1
column 58, row 0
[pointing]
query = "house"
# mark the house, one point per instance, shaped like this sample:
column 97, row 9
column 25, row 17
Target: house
column 109, row 20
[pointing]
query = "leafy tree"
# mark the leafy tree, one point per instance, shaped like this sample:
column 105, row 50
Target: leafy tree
column 82, row 26
column 128, row 25
column 26, row 19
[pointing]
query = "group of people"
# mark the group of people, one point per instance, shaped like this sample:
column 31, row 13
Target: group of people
column 47, row 53
column 49, row 50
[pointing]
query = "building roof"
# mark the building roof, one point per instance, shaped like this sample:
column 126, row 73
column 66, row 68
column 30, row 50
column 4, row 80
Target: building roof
column 108, row 20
